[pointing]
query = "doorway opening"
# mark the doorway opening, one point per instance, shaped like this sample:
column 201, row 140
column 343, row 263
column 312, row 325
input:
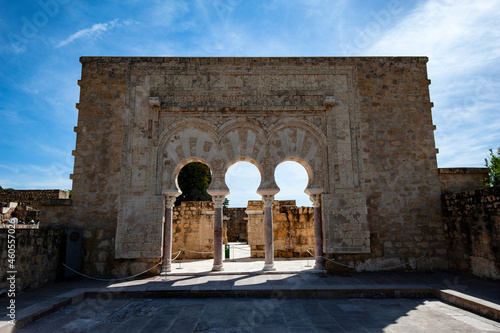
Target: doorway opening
column 243, row 179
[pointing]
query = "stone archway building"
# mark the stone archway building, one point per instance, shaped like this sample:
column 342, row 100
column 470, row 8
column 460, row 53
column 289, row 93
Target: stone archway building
column 361, row 127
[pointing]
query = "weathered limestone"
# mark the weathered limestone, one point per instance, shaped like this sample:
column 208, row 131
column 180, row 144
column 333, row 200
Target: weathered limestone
column 361, row 127
column 472, row 230
column 462, row 179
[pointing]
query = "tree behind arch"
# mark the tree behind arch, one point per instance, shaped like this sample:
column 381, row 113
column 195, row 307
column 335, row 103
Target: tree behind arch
column 194, row 179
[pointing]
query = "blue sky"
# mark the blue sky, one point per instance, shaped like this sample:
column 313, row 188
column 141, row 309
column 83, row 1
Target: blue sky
column 41, row 42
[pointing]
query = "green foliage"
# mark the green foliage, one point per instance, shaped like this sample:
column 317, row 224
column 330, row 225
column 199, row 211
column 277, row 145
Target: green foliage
column 193, row 181
column 494, row 169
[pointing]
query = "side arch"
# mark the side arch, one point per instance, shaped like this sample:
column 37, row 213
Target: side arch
column 189, row 140
column 302, row 142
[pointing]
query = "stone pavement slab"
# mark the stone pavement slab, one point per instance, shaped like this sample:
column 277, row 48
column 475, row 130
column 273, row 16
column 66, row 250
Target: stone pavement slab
column 262, row 315
column 393, row 292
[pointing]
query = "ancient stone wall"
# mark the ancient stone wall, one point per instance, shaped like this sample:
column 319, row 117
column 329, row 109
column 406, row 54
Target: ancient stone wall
column 32, row 198
column 293, row 229
column 462, row 179
column 56, row 212
column 27, row 203
column 361, row 127
column 236, row 224
column 193, row 230
column 472, row 224
column 39, row 256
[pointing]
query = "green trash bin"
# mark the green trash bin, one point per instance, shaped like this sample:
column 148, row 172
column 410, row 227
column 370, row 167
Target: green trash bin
column 226, row 250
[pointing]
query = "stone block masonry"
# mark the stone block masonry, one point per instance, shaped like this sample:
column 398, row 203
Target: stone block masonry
column 293, row 229
column 32, row 198
column 361, row 127
column 472, row 229
column 193, row 230
column 462, row 179
column 236, row 224
column 39, row 256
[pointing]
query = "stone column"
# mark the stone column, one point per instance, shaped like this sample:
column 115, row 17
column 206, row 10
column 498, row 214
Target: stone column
column 318, row 230
column 268, row 231
column 218, row 253
column 167, row 235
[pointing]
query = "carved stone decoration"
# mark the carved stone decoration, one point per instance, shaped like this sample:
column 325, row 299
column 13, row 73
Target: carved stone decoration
column 219, row 113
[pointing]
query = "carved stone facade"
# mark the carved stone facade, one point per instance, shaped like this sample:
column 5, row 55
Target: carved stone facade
column 361, row 127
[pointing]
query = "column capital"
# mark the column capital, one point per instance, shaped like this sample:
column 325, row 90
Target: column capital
column 218, row 200
column 170, row 201
column 268, row 200
column 315, row 199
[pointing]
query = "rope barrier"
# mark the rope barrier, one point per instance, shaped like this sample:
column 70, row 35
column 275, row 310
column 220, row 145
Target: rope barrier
column 381, row 269
column 178, row 254
column 241, row 248
column 119, row 279
column 112, row 280
column 197, row 251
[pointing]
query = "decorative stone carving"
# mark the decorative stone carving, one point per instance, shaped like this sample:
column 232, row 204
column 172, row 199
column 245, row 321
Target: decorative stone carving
column 177, row 117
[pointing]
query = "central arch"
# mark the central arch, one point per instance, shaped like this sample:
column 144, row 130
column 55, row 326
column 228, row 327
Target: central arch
column 265, row 145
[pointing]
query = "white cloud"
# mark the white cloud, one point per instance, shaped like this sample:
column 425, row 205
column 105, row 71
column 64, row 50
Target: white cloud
column 462, row 41
column 95, row 31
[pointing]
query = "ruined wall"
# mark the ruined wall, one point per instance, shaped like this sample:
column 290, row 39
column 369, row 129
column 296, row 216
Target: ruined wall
column 293, row 229
column 362, row 127
column 472, row 224
column 39, row 255
column 32, row 198
column 27, row 203
column 193, row 230
column 56, row 212
column 462, row 179
column 236, row 224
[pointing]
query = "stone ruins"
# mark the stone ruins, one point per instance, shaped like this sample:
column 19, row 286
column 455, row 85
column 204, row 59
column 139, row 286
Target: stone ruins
column 361, row 127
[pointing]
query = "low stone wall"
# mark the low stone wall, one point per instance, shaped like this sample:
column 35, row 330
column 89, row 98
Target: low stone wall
column 236, row 224
column 461, row 179
column 39, row 256
column 472, row 229
column 32, row 198
column 193, row 230
column 293, row 229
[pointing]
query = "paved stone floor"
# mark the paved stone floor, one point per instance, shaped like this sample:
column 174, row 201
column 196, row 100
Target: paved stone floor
column 255, row 302
column 261, row 315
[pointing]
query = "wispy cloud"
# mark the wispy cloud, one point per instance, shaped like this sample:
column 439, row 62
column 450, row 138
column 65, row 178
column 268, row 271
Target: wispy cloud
column 95, row 31
column 14, row 170
column 461, row 40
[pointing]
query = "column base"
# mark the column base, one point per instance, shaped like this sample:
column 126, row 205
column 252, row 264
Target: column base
column 217, row 268
column 269, row 267
column 319, row 267
column 165, row 270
